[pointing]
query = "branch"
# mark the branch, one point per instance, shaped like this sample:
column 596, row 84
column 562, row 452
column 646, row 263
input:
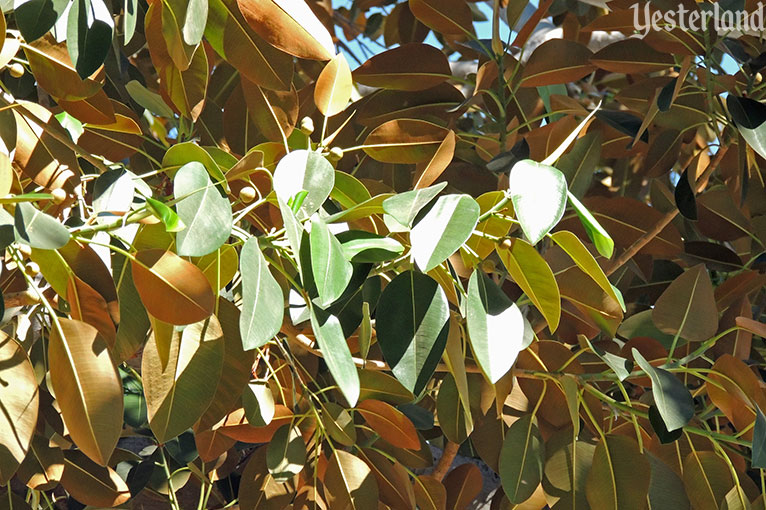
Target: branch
column 667, row 218
column 445, row 461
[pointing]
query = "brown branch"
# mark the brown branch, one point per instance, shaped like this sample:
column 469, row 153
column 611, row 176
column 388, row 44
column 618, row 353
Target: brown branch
column 23, row 298
column 667, row 218
column 445, row 461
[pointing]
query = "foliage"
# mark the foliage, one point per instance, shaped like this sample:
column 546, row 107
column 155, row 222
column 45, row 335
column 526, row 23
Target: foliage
column 290, row 279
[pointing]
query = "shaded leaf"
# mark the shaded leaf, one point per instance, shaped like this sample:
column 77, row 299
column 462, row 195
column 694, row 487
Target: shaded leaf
column 671, row 396
column 412, row 327
column 687, row 307
column 619, row 477
column 521, row 459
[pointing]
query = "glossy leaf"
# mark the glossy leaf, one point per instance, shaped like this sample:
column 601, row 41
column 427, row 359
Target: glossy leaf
column 332, row 343
column 443, row 230
column 538, row 193
column 263, row 301
column 530, row 272
column 333, row 87
column 331, row 270
column 412, row 66
column 172, row 289
column 38, row 229
column 597, row 234
column 304, row 171
column 412, row 327
column 495, row 325
column 204, row 211
column 285, row 453
column 89, row 35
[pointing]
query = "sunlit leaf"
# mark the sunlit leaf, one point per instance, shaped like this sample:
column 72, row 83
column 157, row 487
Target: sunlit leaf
column 443, row 230
column 538, row 193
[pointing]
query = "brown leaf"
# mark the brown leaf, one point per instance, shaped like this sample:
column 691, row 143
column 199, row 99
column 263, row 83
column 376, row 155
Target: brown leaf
column 115, row 141
column 349, row 483
column 390, row 423
column 96, row 109
column 626, row 220
column 53, row 70
column 557, row 61
column 259, row 490
column 449, row 17
column 89, row 306
column 274, row 113
column 405, row 141
column 39, row 154
column 735, row 391
column 428, row 174
column 631, row 56
column 393, row 481
column 43, row 467
column 463, row 484
column 92, row 484
column 290, row 26
column 232, row 38
column 19, row 397
column 430, row 493
column 333, row 87
column 411, row 66
column 172, row 289
column 87, row 387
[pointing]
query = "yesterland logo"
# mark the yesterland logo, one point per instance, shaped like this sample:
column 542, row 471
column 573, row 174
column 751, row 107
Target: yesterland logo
column 724, row 20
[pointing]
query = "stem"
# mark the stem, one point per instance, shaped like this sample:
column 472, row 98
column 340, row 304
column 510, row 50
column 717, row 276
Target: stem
column 171, row 491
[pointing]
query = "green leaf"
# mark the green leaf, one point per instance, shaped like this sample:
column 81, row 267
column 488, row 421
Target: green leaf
column 262, row 299
column 204, row 211
column 495, row 326
column 286, row 453
column 443, row 230
column 348, row 191
column 666, row 489
column 579, row 164
column 35, row 17
column 329, row 266
column 759, row 440
column 37, row 229
column 532, row 273
column 539, row 196
column 89, row 35
column 187, row 152
column 179, row 392
column 622, row 367
column 596, row 233
column 130, row 15
column 332, row 343
column 585, row 261
column 412, row 327
column 619, row 476
column 166, row 215
column 363, row 246
column 749, row 116
column 687, row 308
column 149, row 100
column 671, row 396
column 258, row 402
column 521, row 460
column 404, row 207
column 194, row 21
column 304, row 170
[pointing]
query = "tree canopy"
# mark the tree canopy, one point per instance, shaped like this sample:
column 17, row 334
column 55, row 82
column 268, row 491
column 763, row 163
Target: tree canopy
column 287, row 247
